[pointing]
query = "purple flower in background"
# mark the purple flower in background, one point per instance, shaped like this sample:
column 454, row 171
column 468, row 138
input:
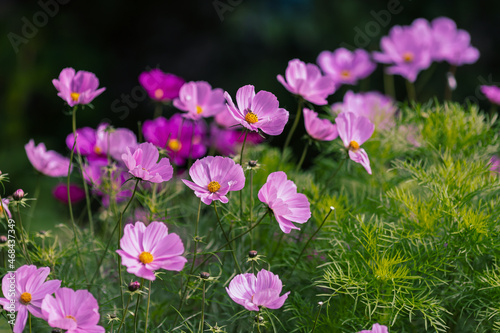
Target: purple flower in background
column 346, row 67
column 380, row 109
column 354, row 130
column 452, row 44
column 182, row 139
column 282, row 198
column 492, row 93
column 142, row 163
column 161, row 86
column 253, row 292
column 224, row 140
column 76, row 193
column 257, row 111
column 213, row 177
column 30, row 290
column 79, row 88
column 108, row 181
column 495, row 164
column 407, row 48
column 73, row 311
column 49, row 162
column 199, row 100
column 319, row 129
column 147, row 249
column 376, row 328
column 4, row 208
column 306, row 80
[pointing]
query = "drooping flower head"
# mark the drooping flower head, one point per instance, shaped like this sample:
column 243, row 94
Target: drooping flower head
column 147, row 249
column 354, row 130
column 492, row 93
column 77, row 88
column 257, row 111
column 319, row 129
column 213, row 177
column 253, row 292
column 143, row 163
column 161, row 86
column 307, row 81
column 376, row 328
column 346, row 67
column 407, row 48
column 452, row 44
column 30, row 290
column 76, row 193
column 380, row 109
column 48, row 162
column 282, row 198
column 73, row 311
column 200, row 100
column 4, row 208
column 182, row 139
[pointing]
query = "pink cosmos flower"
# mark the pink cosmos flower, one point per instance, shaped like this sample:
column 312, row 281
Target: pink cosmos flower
column 49, row 163
column 354, row 130
column 214, row 177
column 319, row 129
column 282, row 198
column 306, row 80
column 452, row 44
column 257, row 111
column 147, row 249
column 492, row 93
column 30, row 288
column 380, row 109
column 346, row 67
column 407, row 48
column 376, row 328
column 252, row 292
column 79, row 88
column 73, row 311
column 76, row 193
column 495, row 164
column 161, row 86
column 4, row 206
column 199, row 100
column 143, row 163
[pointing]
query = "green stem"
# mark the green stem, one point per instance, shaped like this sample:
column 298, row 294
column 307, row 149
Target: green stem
column 410, row 88
column 241, row 163
column 87, row 196
column 303, row 157
column 258, row 321
column 227, row 239
column 136, row 315
column 292, row 130
column 158, row 110
column 447, row 89
column 317, row 316
column 29, row 319
column 33, row 206
column 147, row 308
column 124, row 313
column 251, row 206
column 23, row 240
column 325, row 189
column 389, row 84
column 202, row 323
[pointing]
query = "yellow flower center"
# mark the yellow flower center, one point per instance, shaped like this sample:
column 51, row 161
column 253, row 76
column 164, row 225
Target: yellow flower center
column 146, row 258
column 408, row 57
column 25, row 298
column 75, row 96
column 251, row 117
column 1, row 209
column 354, row 146
column 213, row 186
column 174, row 144
column 71, row 317
column 345, row 74
column 158, row 93
column 198, row 109
column 97, row 150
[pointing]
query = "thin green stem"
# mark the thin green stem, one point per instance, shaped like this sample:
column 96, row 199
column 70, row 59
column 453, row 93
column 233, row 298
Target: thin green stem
column 158, row 110
column 292, row 130
column 325, row 189
column 303, row 157
column 389, row 84
column 258, row 321
column 29, row 319
column 241, row 163
column 147, row 307
column 251, row 206
column 33, row 206
column 317, row 316
column 124, row 313
column 87, row 195
column 23, row 240
column 410, row 88
column 136, row 315
column 227, row 239
column 202, row 323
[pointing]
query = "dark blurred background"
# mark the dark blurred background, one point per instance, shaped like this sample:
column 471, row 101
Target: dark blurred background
column 228, row 43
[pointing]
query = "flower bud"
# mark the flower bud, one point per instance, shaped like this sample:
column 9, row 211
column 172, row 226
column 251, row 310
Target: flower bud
column 259, row 319
column 3, row 239
column 252, row 163
column 134, row 286
column 252, row 254
column 56, row 330
column 204, row 275
column 18, row 195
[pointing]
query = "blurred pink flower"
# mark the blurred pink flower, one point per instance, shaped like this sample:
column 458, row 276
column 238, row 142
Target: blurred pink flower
column 161, row 86
column 199, row 100
column 376, row 328
column 4, row 207
column 79, row 88
column 143, row 163
column 346, row 67
column 49, row 162
column 492, row 93
column 319, row 129
column 495, row 164
column 60, row 192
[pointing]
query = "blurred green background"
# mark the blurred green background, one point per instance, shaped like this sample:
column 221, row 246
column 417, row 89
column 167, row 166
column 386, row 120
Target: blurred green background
column 228, row 43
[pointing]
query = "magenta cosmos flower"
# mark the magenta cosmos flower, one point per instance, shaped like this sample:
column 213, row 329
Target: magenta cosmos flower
column 79, row 88
column 306, row 80
column 346, row 67
column 253, row 292
column 142, row 163
column 49, row 162
column 354, row 130
column 213, row 177
column 147, row 249
column 257, row 111
column 495, row 164
column 380, row 109
column 199, row 100
column 73, row 311
column 27, row 293
column 407, row 48
column 282, row 198
column 76, row 193
column 376, row 328
column 4, row 208
column 452, row 44
column 492, row 93
column 319, row 129
column 161, row 86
